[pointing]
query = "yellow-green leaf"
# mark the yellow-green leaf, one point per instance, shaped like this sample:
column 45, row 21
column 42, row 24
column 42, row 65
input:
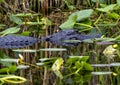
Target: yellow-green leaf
column 10, row 31
column 56, row 67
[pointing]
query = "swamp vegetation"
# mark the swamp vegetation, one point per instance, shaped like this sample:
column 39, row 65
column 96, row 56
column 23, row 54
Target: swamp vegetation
column 92, row 62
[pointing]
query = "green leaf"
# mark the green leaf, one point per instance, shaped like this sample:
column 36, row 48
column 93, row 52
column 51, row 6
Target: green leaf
column 70, row 7
column 25, row 33
column 107, row 24
column 113, row 15
column 71, row 60
column 56, row 67
column 16, row 20
column 3, row 56
column 87, row 77
column 81, row 15
column 87, row 66
column 74, row 17
column 46, row 21
column 2, row 25
column 83, row 25
column 118, row 37
column 4, row 70
column 99, row 1
column 107, row 8
column 69, row 23
column 78, row 64
column 1, row 1
column 57, row 64
column 82, row 58
column 10, row 31
column 118, row 2
column 59, row 74
column 13, row 68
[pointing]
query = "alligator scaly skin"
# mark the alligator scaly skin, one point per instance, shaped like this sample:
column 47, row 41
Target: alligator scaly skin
column 64, row 35
column 14, row 41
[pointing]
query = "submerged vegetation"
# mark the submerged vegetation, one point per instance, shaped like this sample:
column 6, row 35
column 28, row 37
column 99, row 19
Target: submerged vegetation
column 92, row 62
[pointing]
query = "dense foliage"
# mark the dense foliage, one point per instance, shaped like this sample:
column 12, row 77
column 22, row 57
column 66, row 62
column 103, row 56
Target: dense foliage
column 94, row 61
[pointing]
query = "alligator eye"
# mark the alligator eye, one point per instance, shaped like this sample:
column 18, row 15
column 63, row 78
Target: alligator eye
column 73, row 38
column 47, row 39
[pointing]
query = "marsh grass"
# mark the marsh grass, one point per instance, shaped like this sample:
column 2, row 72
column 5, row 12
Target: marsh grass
column 57, row 11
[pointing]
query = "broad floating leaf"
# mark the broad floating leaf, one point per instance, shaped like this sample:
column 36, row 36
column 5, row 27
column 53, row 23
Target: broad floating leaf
column 118, row 2
column 75, row 17
column 69, row 23
column 107, row 8
column 10, row 31
column 16, row 20
column 99, row 1
column 81, row 15
column 12, row 68
column 82, row 58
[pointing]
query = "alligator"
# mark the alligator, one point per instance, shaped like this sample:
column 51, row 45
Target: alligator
column 69, row 37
